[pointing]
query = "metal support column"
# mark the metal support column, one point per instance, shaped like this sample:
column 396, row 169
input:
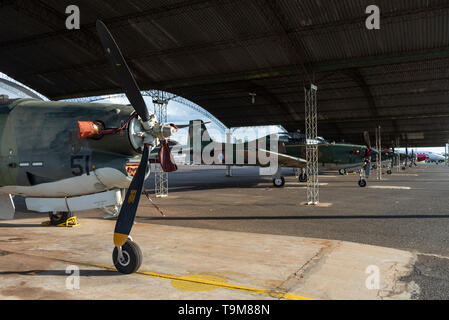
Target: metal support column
column 406, row 157
column 312, row 144
column 398, row 156
column 379, row 154
column 160, row 177
column 447, row 154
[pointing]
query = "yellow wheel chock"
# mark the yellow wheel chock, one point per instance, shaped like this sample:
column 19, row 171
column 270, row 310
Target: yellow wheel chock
column 69, row 223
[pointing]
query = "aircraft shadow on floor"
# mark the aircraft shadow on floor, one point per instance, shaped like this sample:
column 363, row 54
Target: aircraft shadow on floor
column 339, row 217
column 83, row 273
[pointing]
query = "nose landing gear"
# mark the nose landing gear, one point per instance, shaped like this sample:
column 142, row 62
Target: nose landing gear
column 362, row 182
column 128, row 258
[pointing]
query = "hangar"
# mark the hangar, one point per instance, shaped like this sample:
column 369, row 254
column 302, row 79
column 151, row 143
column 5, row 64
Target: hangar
column 219, row 53
column 248, row 63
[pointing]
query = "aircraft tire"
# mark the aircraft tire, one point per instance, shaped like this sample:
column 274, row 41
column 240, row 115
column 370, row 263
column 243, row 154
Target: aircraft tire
column 362, row 183
column 59, row 217
column 303, row 178
column 132, row 258
column 279, row 182
column 389, row 172
column 342, row 172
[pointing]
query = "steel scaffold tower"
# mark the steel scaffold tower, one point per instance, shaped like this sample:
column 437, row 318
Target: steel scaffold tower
column 160, row 102
column 311, row 144
column 228, row 141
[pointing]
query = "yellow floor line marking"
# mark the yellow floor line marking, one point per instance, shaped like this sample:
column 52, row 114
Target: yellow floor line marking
column 390, row 187
column 217, row 284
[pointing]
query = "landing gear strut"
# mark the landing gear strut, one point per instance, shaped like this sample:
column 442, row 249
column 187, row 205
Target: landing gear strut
column 58, row 217
column 303, row 176
column 128, row 258
column 362, row 182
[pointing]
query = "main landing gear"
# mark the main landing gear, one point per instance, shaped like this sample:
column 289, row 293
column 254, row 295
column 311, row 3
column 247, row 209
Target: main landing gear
column 362, row 183
column 58, row 217
column 279, row 182
column 278, row 179
column 303, row 177
column 342, row 172
column 128, row 258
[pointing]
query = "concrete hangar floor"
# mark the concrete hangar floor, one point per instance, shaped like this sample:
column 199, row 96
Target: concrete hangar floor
column 240, row 238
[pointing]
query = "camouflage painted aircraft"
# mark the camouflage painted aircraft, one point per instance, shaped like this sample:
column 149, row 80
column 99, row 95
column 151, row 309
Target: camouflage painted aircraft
column 65, row 156
column 291, row 151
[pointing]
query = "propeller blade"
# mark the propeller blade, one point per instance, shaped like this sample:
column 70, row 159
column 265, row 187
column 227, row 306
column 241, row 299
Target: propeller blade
column 367, row 139
column 165, row 158
column 122, row 72
column 128, row 211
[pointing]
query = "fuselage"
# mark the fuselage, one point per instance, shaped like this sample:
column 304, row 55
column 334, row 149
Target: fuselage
column 332, row 156
column 41, row 154
column 430, row 156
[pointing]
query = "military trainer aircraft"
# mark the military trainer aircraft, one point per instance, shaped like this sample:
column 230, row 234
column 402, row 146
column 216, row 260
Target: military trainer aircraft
column 66, row 156
column 291, row 151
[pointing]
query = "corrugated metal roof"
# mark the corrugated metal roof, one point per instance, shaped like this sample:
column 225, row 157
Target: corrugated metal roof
column 217, row 52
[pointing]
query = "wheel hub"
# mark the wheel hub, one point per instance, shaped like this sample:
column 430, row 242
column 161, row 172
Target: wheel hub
column 124, row 259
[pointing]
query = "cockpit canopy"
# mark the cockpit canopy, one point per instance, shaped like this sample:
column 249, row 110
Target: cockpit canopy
column 299, row 138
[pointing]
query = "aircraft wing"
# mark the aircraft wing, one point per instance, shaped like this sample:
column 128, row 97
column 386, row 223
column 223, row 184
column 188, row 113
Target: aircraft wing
column 286, row 160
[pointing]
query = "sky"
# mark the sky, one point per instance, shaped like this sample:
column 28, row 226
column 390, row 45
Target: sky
column 178, row 113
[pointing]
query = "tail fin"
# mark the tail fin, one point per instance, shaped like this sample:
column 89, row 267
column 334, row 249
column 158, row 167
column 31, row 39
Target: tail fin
column 198, row 130
column 197, row 140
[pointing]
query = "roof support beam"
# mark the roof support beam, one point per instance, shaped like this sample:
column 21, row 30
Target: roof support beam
column 86, row 39
column 363, row 62
column 273, row 15
column 358, row 78
column 375, row 120
column 153, row 13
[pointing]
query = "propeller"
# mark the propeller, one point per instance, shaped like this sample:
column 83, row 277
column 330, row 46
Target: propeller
column 367, row 139
column 122, row 72
column 148, row 136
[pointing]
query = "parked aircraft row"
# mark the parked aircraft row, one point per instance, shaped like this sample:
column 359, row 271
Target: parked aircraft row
column 66, row 156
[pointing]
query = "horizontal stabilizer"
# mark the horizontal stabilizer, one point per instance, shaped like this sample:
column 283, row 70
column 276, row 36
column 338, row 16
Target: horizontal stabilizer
column 286, row 160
